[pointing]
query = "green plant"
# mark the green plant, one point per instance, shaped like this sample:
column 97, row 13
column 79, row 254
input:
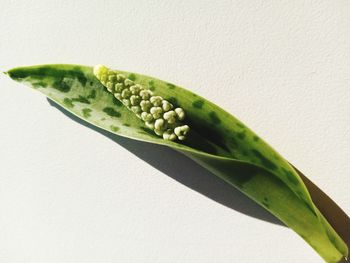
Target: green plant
column 211, row 137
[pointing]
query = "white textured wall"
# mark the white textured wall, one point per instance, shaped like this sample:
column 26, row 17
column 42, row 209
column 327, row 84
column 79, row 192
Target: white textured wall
column 70, row 194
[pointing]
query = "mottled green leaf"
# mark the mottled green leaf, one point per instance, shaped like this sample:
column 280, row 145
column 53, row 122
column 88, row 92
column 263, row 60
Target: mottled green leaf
column 218, row 142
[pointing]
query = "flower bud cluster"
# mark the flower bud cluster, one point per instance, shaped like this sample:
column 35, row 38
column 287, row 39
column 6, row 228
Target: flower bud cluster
column 157, row 113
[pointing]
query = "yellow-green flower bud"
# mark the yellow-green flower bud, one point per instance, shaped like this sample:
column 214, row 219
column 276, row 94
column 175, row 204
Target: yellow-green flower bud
column 110, row 86
column 181, row 132
column 158, row 132
column 166, row 105
column 128, row 82
column 159, row 124
column 118, row 87
column 169, row 135
column 135, row 100
column 156, row 112
column 146, row 105
column 126, row 102
column 136, row 109
column 135, row 90
column 180, row 113
column 118, row 96
column 146, row 116
column 99, row 71
column 104, row 79
column 145, row 94
column 170, row 116
column 112, row 78
column 149, row 124
column 120, row 77
column 156, row 100
column 126, row 93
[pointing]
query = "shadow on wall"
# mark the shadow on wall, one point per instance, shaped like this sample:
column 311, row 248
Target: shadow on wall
column 184, row 171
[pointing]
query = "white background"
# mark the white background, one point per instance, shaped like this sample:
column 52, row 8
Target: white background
column 70, row 194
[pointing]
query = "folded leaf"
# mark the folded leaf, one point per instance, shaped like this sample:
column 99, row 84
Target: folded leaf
column 217, row 141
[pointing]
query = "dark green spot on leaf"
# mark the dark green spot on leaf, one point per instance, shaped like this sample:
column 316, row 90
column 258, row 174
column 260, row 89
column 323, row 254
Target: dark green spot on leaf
column 265, row 162
column 132, row 77
column 234, row 141
column 61, row 85
column 242, row 174
column 265, row 204
column 198, row 104
column 172, row 100
column 290, row 176
column 171, row 86
column 241, row 135
column 331, row 238
column 92, row 94
column 151, row 85
column 201, row 129
column 214, row 117
column 148, row 131
column 50, row 71
column 309, row 207
column 81, row 99
column 117, row 102
column 112, row 112
column 240, row 125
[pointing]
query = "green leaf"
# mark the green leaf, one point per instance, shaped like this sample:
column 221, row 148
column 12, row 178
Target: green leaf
column 218, row 141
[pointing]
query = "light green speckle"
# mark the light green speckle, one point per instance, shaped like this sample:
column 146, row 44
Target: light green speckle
column 86, row 112
column 40, row 84
column 68, row 102
column 114, row 128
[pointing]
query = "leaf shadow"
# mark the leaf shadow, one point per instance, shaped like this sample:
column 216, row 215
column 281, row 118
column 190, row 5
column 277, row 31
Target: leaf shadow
column 185, row 171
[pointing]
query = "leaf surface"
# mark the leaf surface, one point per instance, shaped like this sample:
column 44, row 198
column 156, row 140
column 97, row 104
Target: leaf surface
column 218, row 141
